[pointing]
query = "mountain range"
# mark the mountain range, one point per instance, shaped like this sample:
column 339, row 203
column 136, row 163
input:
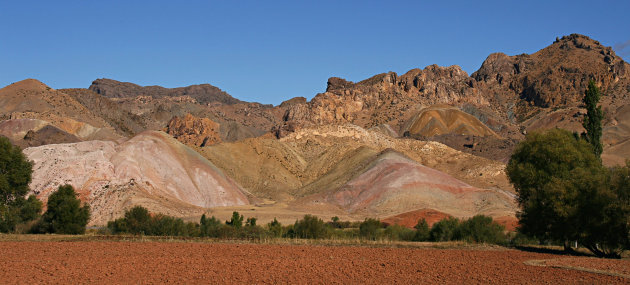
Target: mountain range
column 432, row 141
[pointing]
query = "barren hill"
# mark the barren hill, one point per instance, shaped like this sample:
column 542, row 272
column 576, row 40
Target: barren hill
column 31, row 99
column 31, row 132
column 151, row 169
column 392, row 184
column 445, row 119
column 312, row 160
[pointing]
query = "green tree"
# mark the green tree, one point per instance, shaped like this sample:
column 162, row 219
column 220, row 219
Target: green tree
column 422, row 231
column 15, row 175
column 398, row 232
column 275, row 228
column 604, row 212
column 370, row 229
column 482, row 229
column 543, row 169
column 65, row 214
column 310, row 227
column 251, row 222
column 137, row 220
column 445, row 230
column 236, row 221
column 593, row 120
column 210, row 227
column 565, row 194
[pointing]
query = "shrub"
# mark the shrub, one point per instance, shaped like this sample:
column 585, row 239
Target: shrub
column 370, row 229
column 422, row 231
column 138, row 220
column 64, row 214
column 275, row 228
column 210, row 227
column 398, row 232
column 251, row 222
column 310, row 227
column 445, row 230
column 236, row 221
column 481, row 229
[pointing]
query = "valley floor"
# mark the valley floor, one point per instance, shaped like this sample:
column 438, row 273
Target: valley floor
column 107, row 262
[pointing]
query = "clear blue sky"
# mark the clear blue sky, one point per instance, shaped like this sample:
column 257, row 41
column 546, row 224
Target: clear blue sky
column 270, row 51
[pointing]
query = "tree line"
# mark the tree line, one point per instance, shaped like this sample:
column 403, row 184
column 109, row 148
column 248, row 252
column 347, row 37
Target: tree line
column 139, row 221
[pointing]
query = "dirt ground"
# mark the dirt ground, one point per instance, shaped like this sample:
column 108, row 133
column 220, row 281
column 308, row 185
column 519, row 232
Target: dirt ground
column 190, row 262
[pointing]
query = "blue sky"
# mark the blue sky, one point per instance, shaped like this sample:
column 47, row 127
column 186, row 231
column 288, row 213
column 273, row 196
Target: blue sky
column 270, row 51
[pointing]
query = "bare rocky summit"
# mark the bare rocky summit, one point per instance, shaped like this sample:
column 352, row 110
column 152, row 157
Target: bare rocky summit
column 203, row 93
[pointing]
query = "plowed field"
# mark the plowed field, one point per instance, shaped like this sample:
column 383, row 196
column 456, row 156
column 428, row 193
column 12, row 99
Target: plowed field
column 187, row 262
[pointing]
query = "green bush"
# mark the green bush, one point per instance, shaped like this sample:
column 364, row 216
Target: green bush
column 422, row 231
column 64, row 214
column 445, row 230
column 481, row 229
column 370, row 229
column 398, row 232
column 310, row 227
column 209, row 227
column 275, row 228
column 162, row 225
column 236, row 221
column 251, row 222
column 139, row 221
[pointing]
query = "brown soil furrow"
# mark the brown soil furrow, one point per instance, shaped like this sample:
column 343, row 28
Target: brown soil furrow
column 164, row 262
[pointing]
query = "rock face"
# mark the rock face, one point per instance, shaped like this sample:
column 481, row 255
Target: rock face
column 383, row 99
column 151, row 169
column 203, row 93
column 194, row 131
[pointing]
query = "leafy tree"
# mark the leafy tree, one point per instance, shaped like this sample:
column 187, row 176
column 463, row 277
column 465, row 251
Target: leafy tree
column 422, row 231
column 236, row 221
column 251, row 222
column 209, row 227
column 369, row 229
column 445, row 230
column 593, row 120
column 31, row 209
column 565, row 194
column 310, row 227
column 543, row 169
column 64, row 214
column 275, row 228
column 604, row 212
column 15, row 175
column 398, row 232
column 138, row 220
